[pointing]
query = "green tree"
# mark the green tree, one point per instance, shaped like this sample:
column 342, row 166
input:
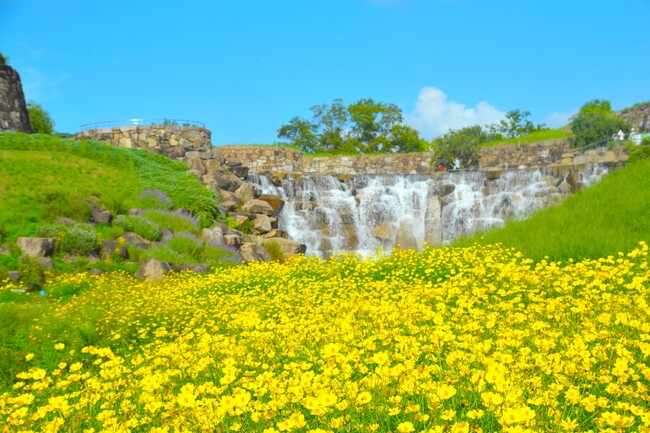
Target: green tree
column 595, row 122
column 514, row 125
column 3, row 59
column 372, row 123
column 463, row 144
column 363, row 127
column 40, row 119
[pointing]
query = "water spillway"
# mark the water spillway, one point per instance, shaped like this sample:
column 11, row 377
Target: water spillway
column 334, row 214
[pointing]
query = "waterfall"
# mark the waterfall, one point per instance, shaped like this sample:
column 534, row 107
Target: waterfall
column 363, row 213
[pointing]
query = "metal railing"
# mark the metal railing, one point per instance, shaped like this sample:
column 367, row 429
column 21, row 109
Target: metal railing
column 141, row 122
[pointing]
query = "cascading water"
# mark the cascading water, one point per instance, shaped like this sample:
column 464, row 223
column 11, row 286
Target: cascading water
column 364, row 213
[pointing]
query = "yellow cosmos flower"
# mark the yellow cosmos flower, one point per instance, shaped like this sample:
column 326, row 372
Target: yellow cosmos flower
column 405, row 427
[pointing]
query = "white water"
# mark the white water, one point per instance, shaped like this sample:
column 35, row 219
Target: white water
column 370, row 212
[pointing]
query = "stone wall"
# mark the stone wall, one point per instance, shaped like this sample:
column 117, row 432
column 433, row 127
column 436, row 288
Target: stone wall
column 262, row 158
column 409, row 163
column 171, row 140
column 524, row 155
column 13, row 110
column 639, row 116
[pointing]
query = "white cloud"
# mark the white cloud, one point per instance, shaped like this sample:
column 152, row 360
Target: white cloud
column 557, row 120
column 434, row 114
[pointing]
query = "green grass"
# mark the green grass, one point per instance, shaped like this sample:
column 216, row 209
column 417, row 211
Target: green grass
column 42, row 177
column 547, row 134
column 604, row 219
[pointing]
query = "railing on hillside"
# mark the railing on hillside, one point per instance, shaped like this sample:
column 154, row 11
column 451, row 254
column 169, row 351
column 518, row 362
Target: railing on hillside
column 141, row 122
column 601, row 143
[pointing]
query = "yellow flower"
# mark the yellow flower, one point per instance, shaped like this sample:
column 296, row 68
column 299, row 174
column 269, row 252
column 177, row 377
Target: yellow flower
column 405, row 427
column 364, row 397
column 59, row 346
column 29, row 357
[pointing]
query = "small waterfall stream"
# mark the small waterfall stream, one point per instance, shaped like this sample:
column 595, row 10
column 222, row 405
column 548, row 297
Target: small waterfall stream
column 363, row 213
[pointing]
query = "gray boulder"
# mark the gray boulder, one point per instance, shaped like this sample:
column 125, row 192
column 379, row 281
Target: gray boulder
column 154, row 270
column 254, row 252
column 212, row 236
column 37, row 247
column 258, row 207
column 199, row 268
column 264, row 224
column 289, row 247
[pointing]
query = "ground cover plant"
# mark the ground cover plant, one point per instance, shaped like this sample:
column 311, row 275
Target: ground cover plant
column 598, row 221
column 43, row 177
column 450, row 339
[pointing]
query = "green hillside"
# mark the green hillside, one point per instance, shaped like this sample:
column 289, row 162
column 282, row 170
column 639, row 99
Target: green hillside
column 43, row 177
column 604, row 219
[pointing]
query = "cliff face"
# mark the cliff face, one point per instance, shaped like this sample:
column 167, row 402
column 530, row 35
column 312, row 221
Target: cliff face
column 13, row 109
column 639, row 116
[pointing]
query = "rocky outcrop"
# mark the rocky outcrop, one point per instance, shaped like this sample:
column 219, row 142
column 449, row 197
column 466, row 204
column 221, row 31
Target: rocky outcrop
column 638, row 116
column 36, row 247
column 13, row 109
column 154, row 270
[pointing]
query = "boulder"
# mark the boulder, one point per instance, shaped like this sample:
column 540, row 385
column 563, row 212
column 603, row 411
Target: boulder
column 167, row 234
column 433, row 221
column 136, row 239
column 276, row 233
column 254, row 252
column 95, row 271
column 37, row 247
column 15, row 276
column 111, row 247
column 227, row 181
column 232, row 239
column 199, row 268
column 276, row 203
column 154, row 270
column 46, row 262
column 213, row 236
column 289, row 247
column 98, row 213
column 264, row 223
column 258, row 206
column 248, row 191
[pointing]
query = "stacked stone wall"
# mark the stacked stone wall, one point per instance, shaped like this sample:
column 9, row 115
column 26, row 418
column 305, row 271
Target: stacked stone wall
column 171, row 140
column 260, row 159
column 13, row 109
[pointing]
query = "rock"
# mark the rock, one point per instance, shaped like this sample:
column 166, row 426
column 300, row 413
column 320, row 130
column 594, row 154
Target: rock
column 66, row 221
column 225, row 207
column 135, row 212
column 195, row 163
column 258, row 206
column 111, row 247
column 239, row 218
column 225, row 181
column 154, row 270
column 248, row 191
column 254, row 252
column 99, row 215
column 573, row 179
column 46, row 262
column 95, row 271
column 15, row 276
column 213, row 236
column 240, row 171
column 232, row 239
column 264, row 223
column 276, row 203
column 199, row 268
column 289, row 247
column 37, row 247
column 167, row 234
column 276, row 233
column 136, row 239
column 493, row 173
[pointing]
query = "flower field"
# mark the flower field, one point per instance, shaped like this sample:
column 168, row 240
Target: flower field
column 445, row 340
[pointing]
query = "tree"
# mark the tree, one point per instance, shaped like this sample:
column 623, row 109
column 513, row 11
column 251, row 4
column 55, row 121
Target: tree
column 595, row 122
column 3, row 59
column 463, row 144
column 515, row 125
column 39, row 118
column 363, row 127
column 372, row 122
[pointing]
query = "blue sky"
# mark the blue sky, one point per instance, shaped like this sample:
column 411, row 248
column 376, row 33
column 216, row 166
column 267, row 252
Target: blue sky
column 245, row 67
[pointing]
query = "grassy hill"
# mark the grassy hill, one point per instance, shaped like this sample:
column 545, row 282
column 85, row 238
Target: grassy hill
column 609, row 217
column 43, row 176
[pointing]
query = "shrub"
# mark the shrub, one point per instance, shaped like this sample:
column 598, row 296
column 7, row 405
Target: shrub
column 139, row 225
column 40, row 119
column 220, row 253
column 56, row 203
column 79, row 240
column 171, row 220
column 275, row 250
column 154, row 199
column 186, row 245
